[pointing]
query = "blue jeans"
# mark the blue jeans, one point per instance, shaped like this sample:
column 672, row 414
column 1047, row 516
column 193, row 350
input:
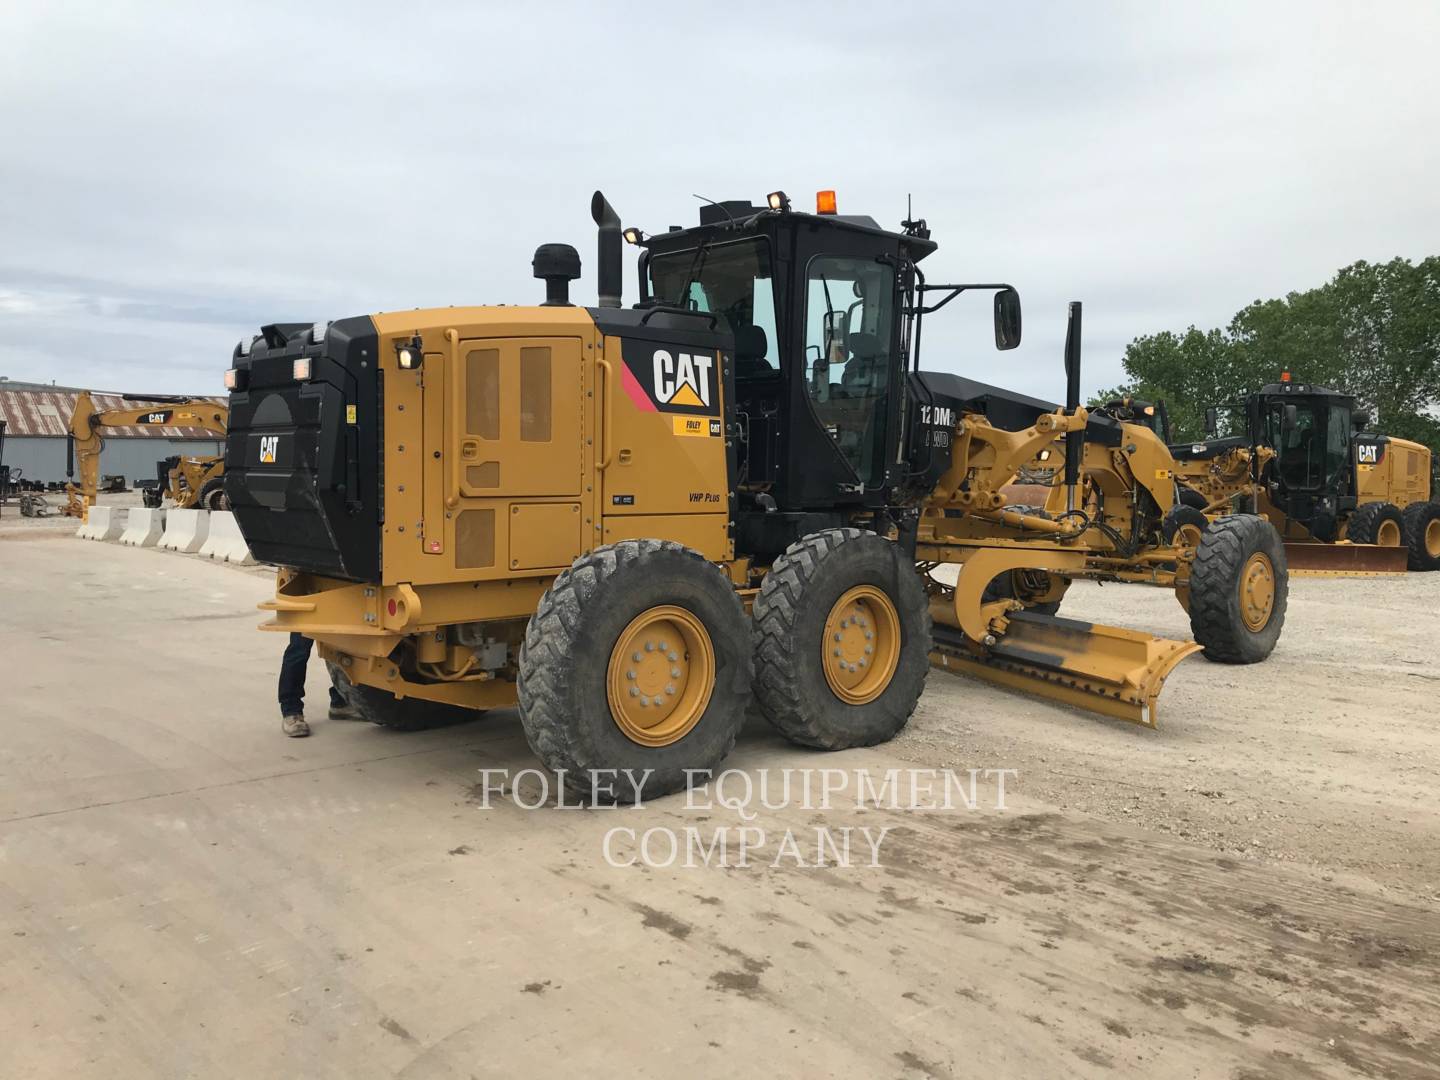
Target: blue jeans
column 292, row 678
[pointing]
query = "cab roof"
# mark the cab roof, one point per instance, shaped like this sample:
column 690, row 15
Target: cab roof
column 717, row 219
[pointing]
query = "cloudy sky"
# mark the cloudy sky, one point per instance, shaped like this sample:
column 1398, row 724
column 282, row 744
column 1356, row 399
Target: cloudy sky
column 172, row 176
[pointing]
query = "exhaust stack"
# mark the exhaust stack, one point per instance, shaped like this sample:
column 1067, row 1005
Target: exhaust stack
column 610, row 266
column 1074, row 440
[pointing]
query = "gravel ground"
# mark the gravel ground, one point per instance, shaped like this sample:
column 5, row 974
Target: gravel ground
column 1324, row 756
column 1247, row 892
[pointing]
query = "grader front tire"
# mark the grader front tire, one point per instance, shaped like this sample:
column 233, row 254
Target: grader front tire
column 591, row 709
column 1239, row 587
column 842, row 645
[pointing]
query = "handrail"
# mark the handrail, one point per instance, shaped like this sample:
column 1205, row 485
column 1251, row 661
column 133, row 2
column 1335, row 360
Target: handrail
column 607, row 411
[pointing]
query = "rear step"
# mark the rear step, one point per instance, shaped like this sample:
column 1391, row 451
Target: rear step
column 1344, row 559
column 1103, row 669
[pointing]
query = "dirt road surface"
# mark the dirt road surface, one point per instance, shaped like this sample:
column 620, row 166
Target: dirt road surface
column 1248, row 892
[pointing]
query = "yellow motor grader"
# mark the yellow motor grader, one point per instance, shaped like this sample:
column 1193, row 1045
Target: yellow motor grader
column 1345, row 500
column 187, row 481
column 631, row 521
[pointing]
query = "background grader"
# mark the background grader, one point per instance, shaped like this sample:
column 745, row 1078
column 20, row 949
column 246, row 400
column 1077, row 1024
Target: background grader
column 632, row 520
column 1299, row 454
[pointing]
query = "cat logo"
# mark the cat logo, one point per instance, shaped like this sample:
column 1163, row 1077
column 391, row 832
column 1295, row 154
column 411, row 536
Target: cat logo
column 671, row 378
column 682, row 379
column 157, row 417
column 268, row 445
column 1367, row 453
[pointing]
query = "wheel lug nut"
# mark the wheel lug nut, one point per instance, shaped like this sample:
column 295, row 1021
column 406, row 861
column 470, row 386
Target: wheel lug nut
column 868, row 650
column 649, row 646
column 838, row 652
column 674, row 673
column 670, row 691
column 636, row 657
column 839, row 637
column 674, row 656
column 630, row 675
column 868, row 635
column 634, row 691
column 662, row 646
column 644, row 702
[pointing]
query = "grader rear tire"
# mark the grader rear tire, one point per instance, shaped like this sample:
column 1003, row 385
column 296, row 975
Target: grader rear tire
column 397, row 714
column 1376, row 523
column 1422, row 535
column 1238, row 590
column 842, row 640
column 637, row 658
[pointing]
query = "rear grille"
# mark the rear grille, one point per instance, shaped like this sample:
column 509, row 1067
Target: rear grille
column 303, row 479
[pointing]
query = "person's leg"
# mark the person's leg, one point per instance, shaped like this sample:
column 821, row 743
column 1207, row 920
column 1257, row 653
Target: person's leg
column 292, row 685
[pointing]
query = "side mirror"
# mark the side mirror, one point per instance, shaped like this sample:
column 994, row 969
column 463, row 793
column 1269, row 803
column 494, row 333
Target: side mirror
column 1212, row 422
column 1361, row 420
column 1292, row 418
column 1007, row 319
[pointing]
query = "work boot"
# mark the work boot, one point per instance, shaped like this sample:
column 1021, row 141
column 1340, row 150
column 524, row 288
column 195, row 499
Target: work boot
column 294, row 726
column 345, row 712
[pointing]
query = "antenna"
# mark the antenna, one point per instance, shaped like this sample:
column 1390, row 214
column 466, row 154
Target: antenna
column 712, row 202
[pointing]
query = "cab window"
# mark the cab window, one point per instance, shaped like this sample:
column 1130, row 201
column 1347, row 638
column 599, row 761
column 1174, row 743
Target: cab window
column 849, row 316
column 734, row 281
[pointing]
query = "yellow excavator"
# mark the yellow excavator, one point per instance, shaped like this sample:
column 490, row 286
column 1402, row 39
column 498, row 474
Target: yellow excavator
column 632, row 521
column 187, row 481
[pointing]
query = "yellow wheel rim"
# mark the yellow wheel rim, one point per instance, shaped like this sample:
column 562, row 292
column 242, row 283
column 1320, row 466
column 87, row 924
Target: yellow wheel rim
column 1388, row 535
column 1257, row 591
column 661, row 676
column 861, row 648
column 1188, row 536
column 1432, row 538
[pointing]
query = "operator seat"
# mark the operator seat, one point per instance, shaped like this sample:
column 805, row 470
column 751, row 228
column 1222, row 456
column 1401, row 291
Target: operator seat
column 751, row 346
column 864, row 375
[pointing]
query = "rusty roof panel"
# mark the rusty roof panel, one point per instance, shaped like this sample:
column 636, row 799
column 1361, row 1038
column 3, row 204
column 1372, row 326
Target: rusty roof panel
column 47, row 413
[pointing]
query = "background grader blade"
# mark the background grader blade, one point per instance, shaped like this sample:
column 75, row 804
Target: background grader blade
column 1104, row 669
column 1344, row 559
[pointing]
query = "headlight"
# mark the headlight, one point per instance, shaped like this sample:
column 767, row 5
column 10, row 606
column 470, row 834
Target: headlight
column 410, row 355
column 301, row 369
column 235, row 379
column 317, row 332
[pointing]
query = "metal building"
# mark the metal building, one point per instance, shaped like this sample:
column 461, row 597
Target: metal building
column 37, row 418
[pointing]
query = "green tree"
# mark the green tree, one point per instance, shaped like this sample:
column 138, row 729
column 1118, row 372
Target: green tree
column 1373, row 331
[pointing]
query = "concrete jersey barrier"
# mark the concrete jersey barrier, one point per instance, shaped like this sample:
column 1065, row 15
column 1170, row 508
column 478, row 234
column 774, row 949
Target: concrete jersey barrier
column 102, row 523
column 144, row 527
column 186, row 530
column 225, row 541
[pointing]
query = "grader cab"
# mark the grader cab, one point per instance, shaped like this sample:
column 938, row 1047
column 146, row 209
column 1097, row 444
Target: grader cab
column 630, row 521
